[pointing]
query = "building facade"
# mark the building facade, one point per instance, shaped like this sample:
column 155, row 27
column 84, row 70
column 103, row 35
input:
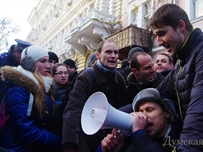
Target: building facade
column 73, row 28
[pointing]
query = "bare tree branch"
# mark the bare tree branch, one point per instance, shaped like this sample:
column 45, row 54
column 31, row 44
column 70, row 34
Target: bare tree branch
column 7, row 28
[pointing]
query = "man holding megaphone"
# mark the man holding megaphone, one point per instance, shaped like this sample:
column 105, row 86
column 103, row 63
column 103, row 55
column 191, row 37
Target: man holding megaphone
column 155, row 126
column 105, row 78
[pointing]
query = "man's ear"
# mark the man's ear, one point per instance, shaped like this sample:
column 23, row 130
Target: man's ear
column 97, row 55
column 134, row 70
column 171, row 65
column 182, row 26
column 167, row 115
column 14, row 51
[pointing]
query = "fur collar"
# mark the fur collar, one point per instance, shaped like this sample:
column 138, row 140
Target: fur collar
column 17, row 77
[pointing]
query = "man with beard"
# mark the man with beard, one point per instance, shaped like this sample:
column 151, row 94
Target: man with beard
column 142, row 76
column 155, row 126
column 184, row 84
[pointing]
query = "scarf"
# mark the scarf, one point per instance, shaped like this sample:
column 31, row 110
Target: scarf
column 103, row 69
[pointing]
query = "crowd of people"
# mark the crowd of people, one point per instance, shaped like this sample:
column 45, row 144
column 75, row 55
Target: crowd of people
column 163, row 95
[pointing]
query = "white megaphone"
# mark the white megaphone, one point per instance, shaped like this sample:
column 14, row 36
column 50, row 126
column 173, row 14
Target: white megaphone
column 98, row 114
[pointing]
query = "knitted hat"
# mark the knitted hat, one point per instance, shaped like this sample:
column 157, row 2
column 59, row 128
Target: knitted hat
column 92, row 58
column 133, row 50
column 30, row 55
column 35, row 52
column 70, row 62
column 53, row 56
column 151, row 94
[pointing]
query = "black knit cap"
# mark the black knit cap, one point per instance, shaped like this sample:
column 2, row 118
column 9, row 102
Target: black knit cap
column 133, row 50
column 53, row 56
column 70, row 62
column 152, row 94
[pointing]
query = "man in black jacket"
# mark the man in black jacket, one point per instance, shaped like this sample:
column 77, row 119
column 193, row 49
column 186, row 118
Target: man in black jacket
column 184, row 84
column 142, row 76
column 155, row 126
column 12, row 58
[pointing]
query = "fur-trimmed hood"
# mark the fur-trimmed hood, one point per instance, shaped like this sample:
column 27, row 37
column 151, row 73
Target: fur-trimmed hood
column 15, row 76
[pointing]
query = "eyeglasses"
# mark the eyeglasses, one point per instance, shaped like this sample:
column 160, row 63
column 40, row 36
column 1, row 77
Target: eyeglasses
column 62, row 73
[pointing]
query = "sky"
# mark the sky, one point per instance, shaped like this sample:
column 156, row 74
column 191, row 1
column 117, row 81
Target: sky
column 18, row 11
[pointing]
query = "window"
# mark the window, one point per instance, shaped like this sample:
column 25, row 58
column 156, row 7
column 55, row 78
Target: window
column 134, row 16
column 198, row 8
column 148, row 10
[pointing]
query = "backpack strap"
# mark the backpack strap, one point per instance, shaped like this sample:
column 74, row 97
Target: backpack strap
column 90, row 70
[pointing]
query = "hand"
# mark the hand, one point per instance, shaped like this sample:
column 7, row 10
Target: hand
column 139, row 121
column 113, row 142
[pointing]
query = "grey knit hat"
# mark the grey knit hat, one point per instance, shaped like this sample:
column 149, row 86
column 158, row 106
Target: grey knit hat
column 133, row 50
column 152, row 94
column 35, row 52
column 30, row 55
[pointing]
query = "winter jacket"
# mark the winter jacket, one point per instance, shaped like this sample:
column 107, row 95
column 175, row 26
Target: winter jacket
column 7, row 58
column 140, row 141
column 133, row 88
column 112, row 86
column 185, row 85
column 54, row 124
column 25, row 131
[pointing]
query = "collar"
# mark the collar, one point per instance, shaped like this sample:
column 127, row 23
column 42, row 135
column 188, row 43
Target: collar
column 101, row 76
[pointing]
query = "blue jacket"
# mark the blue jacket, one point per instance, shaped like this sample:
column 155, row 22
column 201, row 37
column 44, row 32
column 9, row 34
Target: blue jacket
column 7, row 58
column 24, row 132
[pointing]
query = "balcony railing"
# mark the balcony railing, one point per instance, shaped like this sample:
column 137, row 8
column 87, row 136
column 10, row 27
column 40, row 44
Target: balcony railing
column 132, row 36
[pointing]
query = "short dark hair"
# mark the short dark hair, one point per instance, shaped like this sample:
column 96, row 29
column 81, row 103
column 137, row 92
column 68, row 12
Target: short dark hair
column 170, row 15
column 134, row 61
column 101, row 44
column 170, row 59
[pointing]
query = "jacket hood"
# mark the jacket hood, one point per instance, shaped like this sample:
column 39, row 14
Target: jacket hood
column 16, row 77
column 131, row 79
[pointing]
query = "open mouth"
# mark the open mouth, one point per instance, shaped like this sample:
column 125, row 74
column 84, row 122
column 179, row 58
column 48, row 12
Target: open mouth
column 149, row 125
column 112, row 62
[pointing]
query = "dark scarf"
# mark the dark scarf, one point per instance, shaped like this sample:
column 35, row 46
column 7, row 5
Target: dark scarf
column 109, row 73
column 103, row 69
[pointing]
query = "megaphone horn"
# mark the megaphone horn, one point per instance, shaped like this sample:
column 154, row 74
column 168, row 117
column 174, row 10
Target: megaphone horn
column 98, row 114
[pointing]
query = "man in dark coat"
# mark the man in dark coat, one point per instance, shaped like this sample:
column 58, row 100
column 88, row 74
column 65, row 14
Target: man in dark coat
column 184, row 84
column 107, row 80
column 142, row 76
column 155, row 126
column 72, row 68
column 125, row 69
column 12, row 58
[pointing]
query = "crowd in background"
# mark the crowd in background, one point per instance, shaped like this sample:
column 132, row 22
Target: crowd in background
column 45, row 98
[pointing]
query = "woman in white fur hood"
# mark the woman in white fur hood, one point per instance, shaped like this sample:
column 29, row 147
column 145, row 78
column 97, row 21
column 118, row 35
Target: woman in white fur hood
column 29, row 104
